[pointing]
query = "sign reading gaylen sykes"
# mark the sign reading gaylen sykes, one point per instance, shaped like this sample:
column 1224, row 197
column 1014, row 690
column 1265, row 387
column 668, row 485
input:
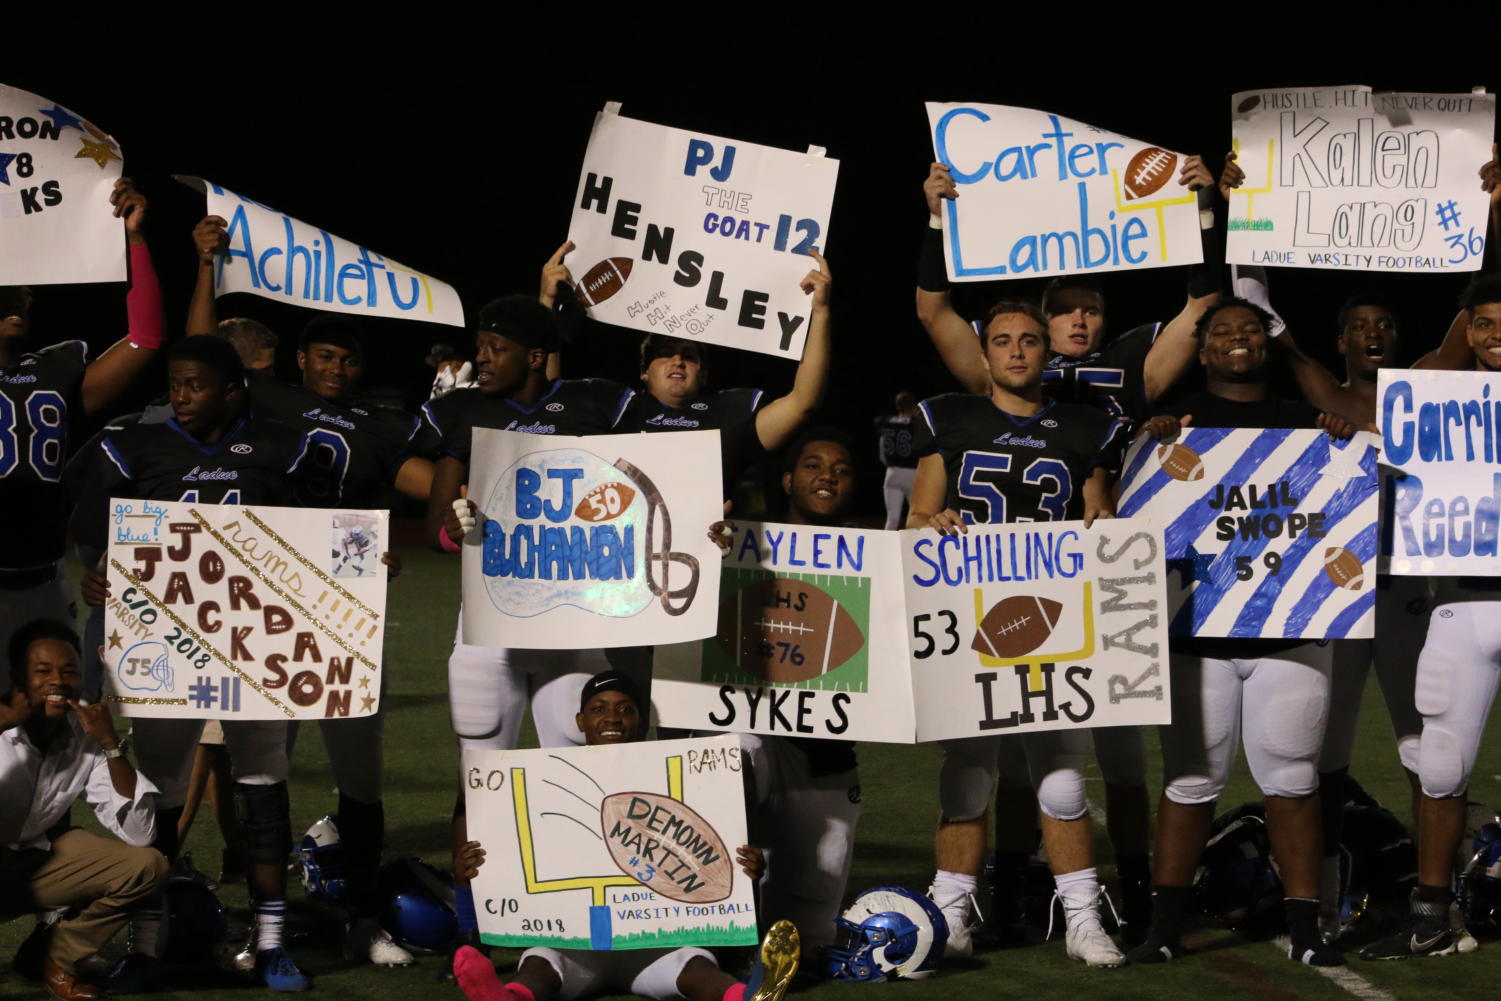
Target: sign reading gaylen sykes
column 591, row 542
column 1268, row 532
column 1036, row 626
column 1441, row 472
column 228, row 611
column 1342, row 178
column 809, row 642
column 57, row 170
column 698, row 236
column 1040, row 194
column 273, row 255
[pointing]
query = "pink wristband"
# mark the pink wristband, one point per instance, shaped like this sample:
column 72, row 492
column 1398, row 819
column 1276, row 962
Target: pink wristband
column 449, row 546
column 143, row 302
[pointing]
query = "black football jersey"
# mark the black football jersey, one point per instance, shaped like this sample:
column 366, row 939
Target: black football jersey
column 256, row 462
column 732, row 412
column 1004, row 468
column 41, row 395
column 569, row 407
column 1110, row 378
column 354, row 449
column 895, row 432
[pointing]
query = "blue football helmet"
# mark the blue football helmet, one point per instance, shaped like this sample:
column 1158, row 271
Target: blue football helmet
column 196, row 923
column 321, row 862
column 1238, row 882
column 417, row 905
column 888, row 933
column 1480, row 883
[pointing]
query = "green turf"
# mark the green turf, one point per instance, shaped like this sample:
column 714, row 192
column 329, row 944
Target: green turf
column 894, row 846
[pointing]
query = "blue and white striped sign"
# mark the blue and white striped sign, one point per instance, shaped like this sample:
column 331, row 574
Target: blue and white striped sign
column 1268, row 533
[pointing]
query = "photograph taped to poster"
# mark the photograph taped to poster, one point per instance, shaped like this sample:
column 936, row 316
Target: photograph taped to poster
column 591, row 542
column 1040, row 194
column 273, row 255
column 809, row 643
column 624, row 846
column 229, row 611
column 1343, row 178
column 699, row 236
column 1036, row 626
column 1440, row 472
column 57, row 171
column 1269, row 533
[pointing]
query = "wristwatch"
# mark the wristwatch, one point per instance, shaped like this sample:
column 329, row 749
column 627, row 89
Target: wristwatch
column 118, row 751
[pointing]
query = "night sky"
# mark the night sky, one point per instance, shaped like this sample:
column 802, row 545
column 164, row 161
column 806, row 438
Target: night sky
column 452, row 143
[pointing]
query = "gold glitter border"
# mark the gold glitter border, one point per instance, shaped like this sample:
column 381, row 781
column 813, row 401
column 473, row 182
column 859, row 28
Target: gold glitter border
column 232, row 549
column 133, row 701
column 201, row 641
column 372, row 613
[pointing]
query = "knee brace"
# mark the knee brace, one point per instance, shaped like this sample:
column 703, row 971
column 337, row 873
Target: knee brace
column 1194, row 790
column 966, row 778
column 1060, row 794
column 266, row 819
column 1441, row 766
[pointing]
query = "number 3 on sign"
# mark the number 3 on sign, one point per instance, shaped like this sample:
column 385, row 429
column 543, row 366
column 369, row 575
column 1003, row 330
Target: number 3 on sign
column 950, row 631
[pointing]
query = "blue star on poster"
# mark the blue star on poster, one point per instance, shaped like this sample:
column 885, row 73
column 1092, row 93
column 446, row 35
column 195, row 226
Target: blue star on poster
column 5, row 159
column 62, row 118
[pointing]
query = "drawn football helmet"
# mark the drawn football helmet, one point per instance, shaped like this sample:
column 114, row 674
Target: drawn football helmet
column 321, row 862
column 196, row 923
column 888, row 933
column 417, row 905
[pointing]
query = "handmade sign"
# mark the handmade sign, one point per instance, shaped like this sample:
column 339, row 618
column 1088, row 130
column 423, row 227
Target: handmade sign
column 273, row 255
column 1040, row 194
column 1269, row 533
column 56, row 173
column 228, row 611
column 699, row 236
column 591, row 542
column 1036, row 626
column 810, row 640
column 625, row 846
column 1340, row 177
column 1441, row 472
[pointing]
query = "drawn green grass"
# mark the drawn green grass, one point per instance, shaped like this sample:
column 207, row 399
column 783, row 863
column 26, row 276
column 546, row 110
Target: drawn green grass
column 853, row 593
column 706, row 936
column 1250, row 225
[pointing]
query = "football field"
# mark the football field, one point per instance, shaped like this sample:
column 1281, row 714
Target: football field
column 894, row 845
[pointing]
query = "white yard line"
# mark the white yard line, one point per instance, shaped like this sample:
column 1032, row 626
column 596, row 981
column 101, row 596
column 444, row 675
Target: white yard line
column 1346, row 978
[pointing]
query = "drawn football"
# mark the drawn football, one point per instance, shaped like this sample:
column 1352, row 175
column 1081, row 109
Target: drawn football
column 604, row 280
column 604, row 502
column 1016, row 626
column 1249, row 103
column 1148, row 171
column 1180, row 462
column 666, row 846
column 784, row 630
column 1343, row 567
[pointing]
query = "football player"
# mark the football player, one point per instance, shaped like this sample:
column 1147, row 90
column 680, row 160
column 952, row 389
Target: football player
column 979, row 462
column 806, row 800
column 611, row 712
column 213, row 451
column 43, row 394
column 895, row 432
column 1274, row 693
column 1456, row 684
column 489, row 688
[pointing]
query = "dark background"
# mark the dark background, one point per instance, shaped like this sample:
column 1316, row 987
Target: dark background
column 451, row 142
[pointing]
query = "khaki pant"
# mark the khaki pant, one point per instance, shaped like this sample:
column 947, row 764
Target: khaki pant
column 104, row 877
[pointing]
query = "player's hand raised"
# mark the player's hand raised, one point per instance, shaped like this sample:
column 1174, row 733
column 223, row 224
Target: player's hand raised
column 461, row 517
column 210, row 238
column 752, row 861
column 1231, row 177
column 96, row 722
column 720, row 533
column 1194, row 174
column 817, row 281
column 553, row 272
column 392, row 563
column 130, row 205
column 939, row 185
column 95, row 588
column 1490, row 177
column 948, row 522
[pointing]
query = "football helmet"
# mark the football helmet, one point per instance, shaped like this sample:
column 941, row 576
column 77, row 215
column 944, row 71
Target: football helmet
column 321, row 862
column 196, row 923
column 888, row 933
column 1480, row 883
column 1238, row 882
column 417, row 905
